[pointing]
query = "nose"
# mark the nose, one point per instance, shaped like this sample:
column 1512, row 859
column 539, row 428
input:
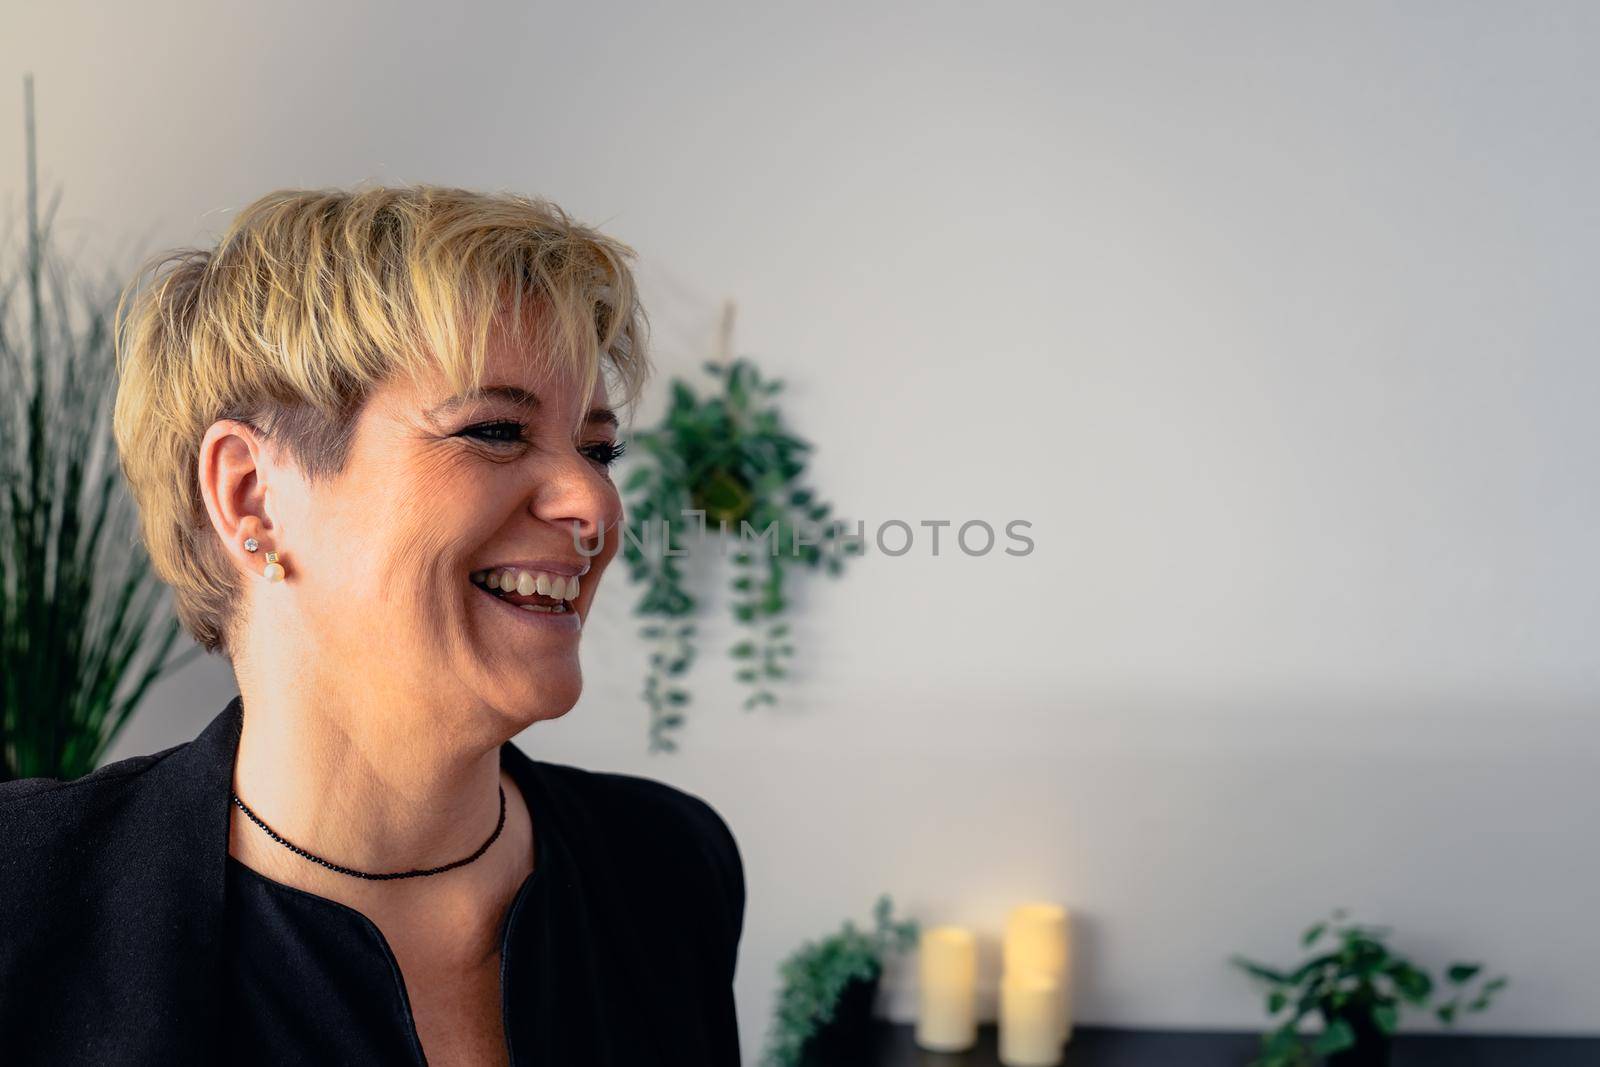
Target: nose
column 577, row 495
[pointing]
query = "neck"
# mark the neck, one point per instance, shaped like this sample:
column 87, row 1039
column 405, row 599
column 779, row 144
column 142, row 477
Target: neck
column 362, row 780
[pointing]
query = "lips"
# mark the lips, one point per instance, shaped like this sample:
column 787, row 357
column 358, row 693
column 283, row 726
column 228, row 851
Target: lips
column 535, row 590
column 535, row 611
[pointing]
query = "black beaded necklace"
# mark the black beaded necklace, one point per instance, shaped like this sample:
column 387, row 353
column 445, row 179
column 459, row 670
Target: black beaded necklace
column 336, row 869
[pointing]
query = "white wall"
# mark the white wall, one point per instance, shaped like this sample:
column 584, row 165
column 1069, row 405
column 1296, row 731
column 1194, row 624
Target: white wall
column 1277, row 321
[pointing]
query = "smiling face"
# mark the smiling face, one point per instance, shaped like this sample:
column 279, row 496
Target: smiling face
column 390, row 560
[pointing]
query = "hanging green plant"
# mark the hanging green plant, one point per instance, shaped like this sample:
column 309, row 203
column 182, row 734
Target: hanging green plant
column 722, row 466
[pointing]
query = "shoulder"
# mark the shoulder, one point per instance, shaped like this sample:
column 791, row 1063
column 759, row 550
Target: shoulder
column 646, row 827
column 34, row 810
column 667, row 806
column 64, row 840
column 84, row 864
column 639, row 807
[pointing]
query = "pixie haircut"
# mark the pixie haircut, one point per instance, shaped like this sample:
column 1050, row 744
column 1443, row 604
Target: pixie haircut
column 314, row 297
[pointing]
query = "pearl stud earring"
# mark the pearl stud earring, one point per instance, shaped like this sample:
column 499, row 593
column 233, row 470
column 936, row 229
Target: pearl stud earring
column 274, row 571
column 251, row 544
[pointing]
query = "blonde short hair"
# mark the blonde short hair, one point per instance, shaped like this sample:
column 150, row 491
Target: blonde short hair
column 312, row 298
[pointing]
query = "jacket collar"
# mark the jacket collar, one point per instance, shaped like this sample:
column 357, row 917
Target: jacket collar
column 204, row 792
column 186, row 821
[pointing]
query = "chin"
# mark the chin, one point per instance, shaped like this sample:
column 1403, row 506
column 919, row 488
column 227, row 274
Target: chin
column 539, row 705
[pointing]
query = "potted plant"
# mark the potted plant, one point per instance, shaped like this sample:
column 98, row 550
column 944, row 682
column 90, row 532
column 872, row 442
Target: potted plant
column 1358, row 986
column 83, row 631
column 824, row 1010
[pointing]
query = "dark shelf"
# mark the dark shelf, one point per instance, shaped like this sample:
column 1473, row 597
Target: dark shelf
column 1093, row 1046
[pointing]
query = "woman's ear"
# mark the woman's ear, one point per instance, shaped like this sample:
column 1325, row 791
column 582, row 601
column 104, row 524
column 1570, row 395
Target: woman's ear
column 233, row 462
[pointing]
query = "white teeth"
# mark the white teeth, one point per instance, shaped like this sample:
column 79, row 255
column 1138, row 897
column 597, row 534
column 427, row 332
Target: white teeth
column 527, row 583
column 547, row 608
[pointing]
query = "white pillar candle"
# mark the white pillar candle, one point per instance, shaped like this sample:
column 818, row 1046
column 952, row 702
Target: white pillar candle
column 1030, row 1019
column 947, row 995
column 1038, row 939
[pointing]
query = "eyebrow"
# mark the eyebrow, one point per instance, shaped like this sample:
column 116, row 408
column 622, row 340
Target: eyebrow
column 515, row 394
column 519, row 396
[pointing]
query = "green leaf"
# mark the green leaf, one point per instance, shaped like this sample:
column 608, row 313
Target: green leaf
column 1386, row 1017
column 1310, row 936
column 1266, row 974
column 1310, row 967
column 1414, row 985
column 1462, row 973
column 1336, row 1038
column 1446, row 1013
column 1283, row 1044
column 1276, row 1002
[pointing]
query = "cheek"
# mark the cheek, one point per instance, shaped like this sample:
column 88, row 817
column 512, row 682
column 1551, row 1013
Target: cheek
column 430, row 523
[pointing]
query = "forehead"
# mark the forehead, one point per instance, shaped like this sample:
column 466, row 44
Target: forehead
column 511, row 367
column 510, row 362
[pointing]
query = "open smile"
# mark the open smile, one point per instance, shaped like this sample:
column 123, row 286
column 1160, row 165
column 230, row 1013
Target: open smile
column 536, row 596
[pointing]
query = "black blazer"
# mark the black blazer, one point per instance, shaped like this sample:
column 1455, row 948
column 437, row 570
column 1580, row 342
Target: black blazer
column 112, row 898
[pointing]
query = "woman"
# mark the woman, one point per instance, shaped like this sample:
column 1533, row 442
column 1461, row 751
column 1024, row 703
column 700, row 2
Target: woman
column 369, row 434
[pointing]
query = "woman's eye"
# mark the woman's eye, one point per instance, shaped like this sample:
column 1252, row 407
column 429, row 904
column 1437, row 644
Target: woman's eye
column 605, row 453
column 496, row 432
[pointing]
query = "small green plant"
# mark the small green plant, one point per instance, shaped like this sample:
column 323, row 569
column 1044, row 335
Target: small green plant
column 815, row 976
column 722, row 465
column 1358, row 986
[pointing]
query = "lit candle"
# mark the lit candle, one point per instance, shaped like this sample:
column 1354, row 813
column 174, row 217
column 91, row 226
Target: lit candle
column 1037, row 940
column 948, row 973
column 1030, row 1019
